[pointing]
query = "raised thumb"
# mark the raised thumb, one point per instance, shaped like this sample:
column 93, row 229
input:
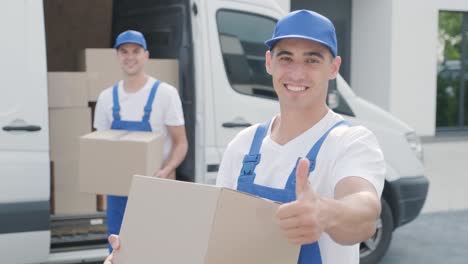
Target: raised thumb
column 302, row 177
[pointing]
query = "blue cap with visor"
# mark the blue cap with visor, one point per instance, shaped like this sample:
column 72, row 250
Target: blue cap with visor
column 130, row 36
column 305, row 24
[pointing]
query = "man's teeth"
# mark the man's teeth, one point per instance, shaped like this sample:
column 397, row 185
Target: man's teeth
column 295, row 88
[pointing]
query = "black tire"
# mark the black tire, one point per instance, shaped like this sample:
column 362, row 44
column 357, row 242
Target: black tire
column 372, row 250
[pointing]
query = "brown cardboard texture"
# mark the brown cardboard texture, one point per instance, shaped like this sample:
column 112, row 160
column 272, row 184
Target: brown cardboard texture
column 71, row 26
column 169, row 221
column 167, row 70
column 104, row 70
column 109, row 158
column 66, row 125
column 67, row 197
column 67, row 89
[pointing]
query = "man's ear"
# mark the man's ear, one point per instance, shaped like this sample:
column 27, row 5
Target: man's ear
column 147, row 54
column 268, row 55
column 335, row 67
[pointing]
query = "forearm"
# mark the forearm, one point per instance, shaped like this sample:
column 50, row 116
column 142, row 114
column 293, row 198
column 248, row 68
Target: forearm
column 351, row 219
column 176, row 156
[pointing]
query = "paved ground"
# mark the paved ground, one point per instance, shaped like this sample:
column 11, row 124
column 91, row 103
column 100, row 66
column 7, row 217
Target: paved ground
column 440, row 237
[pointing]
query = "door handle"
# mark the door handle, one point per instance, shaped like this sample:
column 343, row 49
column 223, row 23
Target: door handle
column 236, row 124
column 28, row 128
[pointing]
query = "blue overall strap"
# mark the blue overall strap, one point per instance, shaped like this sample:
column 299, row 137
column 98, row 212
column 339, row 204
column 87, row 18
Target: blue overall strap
column 252, row 159
column 116, row 106
column 149, row 103
column 312, row 155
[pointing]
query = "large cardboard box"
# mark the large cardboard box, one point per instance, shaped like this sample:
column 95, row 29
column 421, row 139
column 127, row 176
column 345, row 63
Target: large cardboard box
column 109, row 158
column 67, row 89
column 66, row 125
column 67, row 197
column 104, row 70
column 176, row 222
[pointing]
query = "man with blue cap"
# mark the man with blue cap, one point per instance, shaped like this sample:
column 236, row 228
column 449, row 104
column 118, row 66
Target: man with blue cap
column 139, row 102
column 327, row 174
column 330, row 196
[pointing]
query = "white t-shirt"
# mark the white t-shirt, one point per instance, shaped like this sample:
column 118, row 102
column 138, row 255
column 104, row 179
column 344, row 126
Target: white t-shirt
column 166, row 110
column 347, row 151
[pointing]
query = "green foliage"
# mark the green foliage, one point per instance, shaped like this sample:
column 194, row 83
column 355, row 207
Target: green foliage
column 448, row 80
column 450, row 26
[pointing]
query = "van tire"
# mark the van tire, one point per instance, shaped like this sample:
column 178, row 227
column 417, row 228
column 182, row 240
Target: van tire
column 372, row 251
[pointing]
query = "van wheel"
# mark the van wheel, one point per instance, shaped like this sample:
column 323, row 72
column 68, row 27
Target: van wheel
column 373, row 249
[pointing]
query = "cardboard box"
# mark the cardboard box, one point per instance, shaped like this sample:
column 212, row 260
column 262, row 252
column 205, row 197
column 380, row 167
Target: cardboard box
column 167, row 70
column 66, row 196
column 67, row 89
column 74, row 203
column 101, row 204
column 109, row 158
column 176, row 222
column 66, row 125
column 104, row 70
column 71, row 26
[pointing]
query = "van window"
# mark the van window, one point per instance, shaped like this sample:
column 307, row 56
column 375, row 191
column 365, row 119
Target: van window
column 242, row 36
column 336, row 101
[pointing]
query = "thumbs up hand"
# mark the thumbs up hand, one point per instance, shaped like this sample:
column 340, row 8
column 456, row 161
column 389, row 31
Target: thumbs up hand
column 300, row 220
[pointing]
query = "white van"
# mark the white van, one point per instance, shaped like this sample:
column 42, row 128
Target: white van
column 224, row 88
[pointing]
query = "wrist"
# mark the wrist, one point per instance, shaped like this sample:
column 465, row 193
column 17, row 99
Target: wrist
column 329, row 213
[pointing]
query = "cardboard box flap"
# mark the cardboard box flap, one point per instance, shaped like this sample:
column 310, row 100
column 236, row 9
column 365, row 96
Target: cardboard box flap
column 247, row 222
column 106, row 134
column 139, row 136
column 167, row 221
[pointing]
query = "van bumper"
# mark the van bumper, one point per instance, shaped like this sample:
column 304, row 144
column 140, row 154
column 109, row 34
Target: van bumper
column 408, row 195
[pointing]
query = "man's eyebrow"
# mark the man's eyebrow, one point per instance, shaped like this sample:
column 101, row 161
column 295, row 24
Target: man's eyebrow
column 314, row 53
column 283, row 52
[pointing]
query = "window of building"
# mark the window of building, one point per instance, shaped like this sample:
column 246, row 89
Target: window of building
column 452, row 71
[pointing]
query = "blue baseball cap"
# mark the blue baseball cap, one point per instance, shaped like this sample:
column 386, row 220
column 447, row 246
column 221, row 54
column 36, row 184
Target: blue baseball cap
column 130, row 36
column 305, row 24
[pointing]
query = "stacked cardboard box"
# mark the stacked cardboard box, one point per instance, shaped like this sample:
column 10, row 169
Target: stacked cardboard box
column 69, row 118
column 70, row 93
column 104, row 71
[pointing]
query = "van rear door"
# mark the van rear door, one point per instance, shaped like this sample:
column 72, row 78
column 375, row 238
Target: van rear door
column 24, row 146
column 242, row 91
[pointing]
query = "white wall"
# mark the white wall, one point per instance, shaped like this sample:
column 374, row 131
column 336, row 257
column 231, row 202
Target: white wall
column 414, row 63
column 394, row 56
column 371, row 50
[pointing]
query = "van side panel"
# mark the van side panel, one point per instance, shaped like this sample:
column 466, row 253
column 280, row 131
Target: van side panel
column 24, row 142
column 28, row 247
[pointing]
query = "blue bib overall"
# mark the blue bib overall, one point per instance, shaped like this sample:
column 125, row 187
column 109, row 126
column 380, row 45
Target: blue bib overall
column 116, row 204
column 309, row 254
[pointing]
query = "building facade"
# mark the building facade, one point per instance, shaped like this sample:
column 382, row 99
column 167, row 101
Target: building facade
column 411, row 59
